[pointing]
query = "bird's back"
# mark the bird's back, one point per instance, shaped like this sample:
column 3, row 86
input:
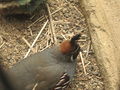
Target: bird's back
column 43, row 68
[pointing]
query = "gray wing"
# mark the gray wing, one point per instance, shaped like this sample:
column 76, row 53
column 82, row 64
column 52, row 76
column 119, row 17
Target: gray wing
column 37, row 68
column 45, row 78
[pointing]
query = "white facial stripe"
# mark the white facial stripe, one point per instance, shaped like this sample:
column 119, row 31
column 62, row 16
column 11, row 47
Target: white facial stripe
column 60, row 82
column 64, row 75
column 67, row 83
column 58, row 88
column 64, row 87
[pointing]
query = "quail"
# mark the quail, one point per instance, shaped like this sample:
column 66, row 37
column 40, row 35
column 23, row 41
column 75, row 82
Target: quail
column 51, row 69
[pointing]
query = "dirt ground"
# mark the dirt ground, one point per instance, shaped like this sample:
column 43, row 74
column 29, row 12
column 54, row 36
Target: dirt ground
column 17, row 34
column 103, row 18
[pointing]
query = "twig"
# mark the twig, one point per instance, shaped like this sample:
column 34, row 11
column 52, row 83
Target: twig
column 36, row 38
column 48, row 37
column 28, row 44
column 82, row 60
column 1, row 39
column 87, row 64
column 2, row 44
column 32, row 17
column 82, row 40
column 50, row 34
column 35, row 86
column 77, row 10
column 30, row 31
column 45, row 48
column 64, row 36
column 36, row 48
column 51, row 25
column 57, row 10
column 41, row 18
column 61, row 21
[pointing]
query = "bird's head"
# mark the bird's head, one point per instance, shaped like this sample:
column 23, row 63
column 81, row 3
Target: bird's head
column 71, row 47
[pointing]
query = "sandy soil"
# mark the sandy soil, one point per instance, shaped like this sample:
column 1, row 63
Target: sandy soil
column 67, row 20
column 103, row 18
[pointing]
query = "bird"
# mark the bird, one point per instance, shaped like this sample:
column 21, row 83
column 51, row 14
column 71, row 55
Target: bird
column 51, row 69
column 8, row 7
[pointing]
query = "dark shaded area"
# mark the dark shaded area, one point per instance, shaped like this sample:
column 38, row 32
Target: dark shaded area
column 20, row 17
column 7, row 0
column 4, row 80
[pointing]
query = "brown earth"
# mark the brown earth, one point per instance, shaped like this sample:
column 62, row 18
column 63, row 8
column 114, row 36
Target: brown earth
column 103, row 18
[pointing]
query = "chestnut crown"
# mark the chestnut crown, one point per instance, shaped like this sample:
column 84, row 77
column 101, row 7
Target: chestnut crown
column 71, row 46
